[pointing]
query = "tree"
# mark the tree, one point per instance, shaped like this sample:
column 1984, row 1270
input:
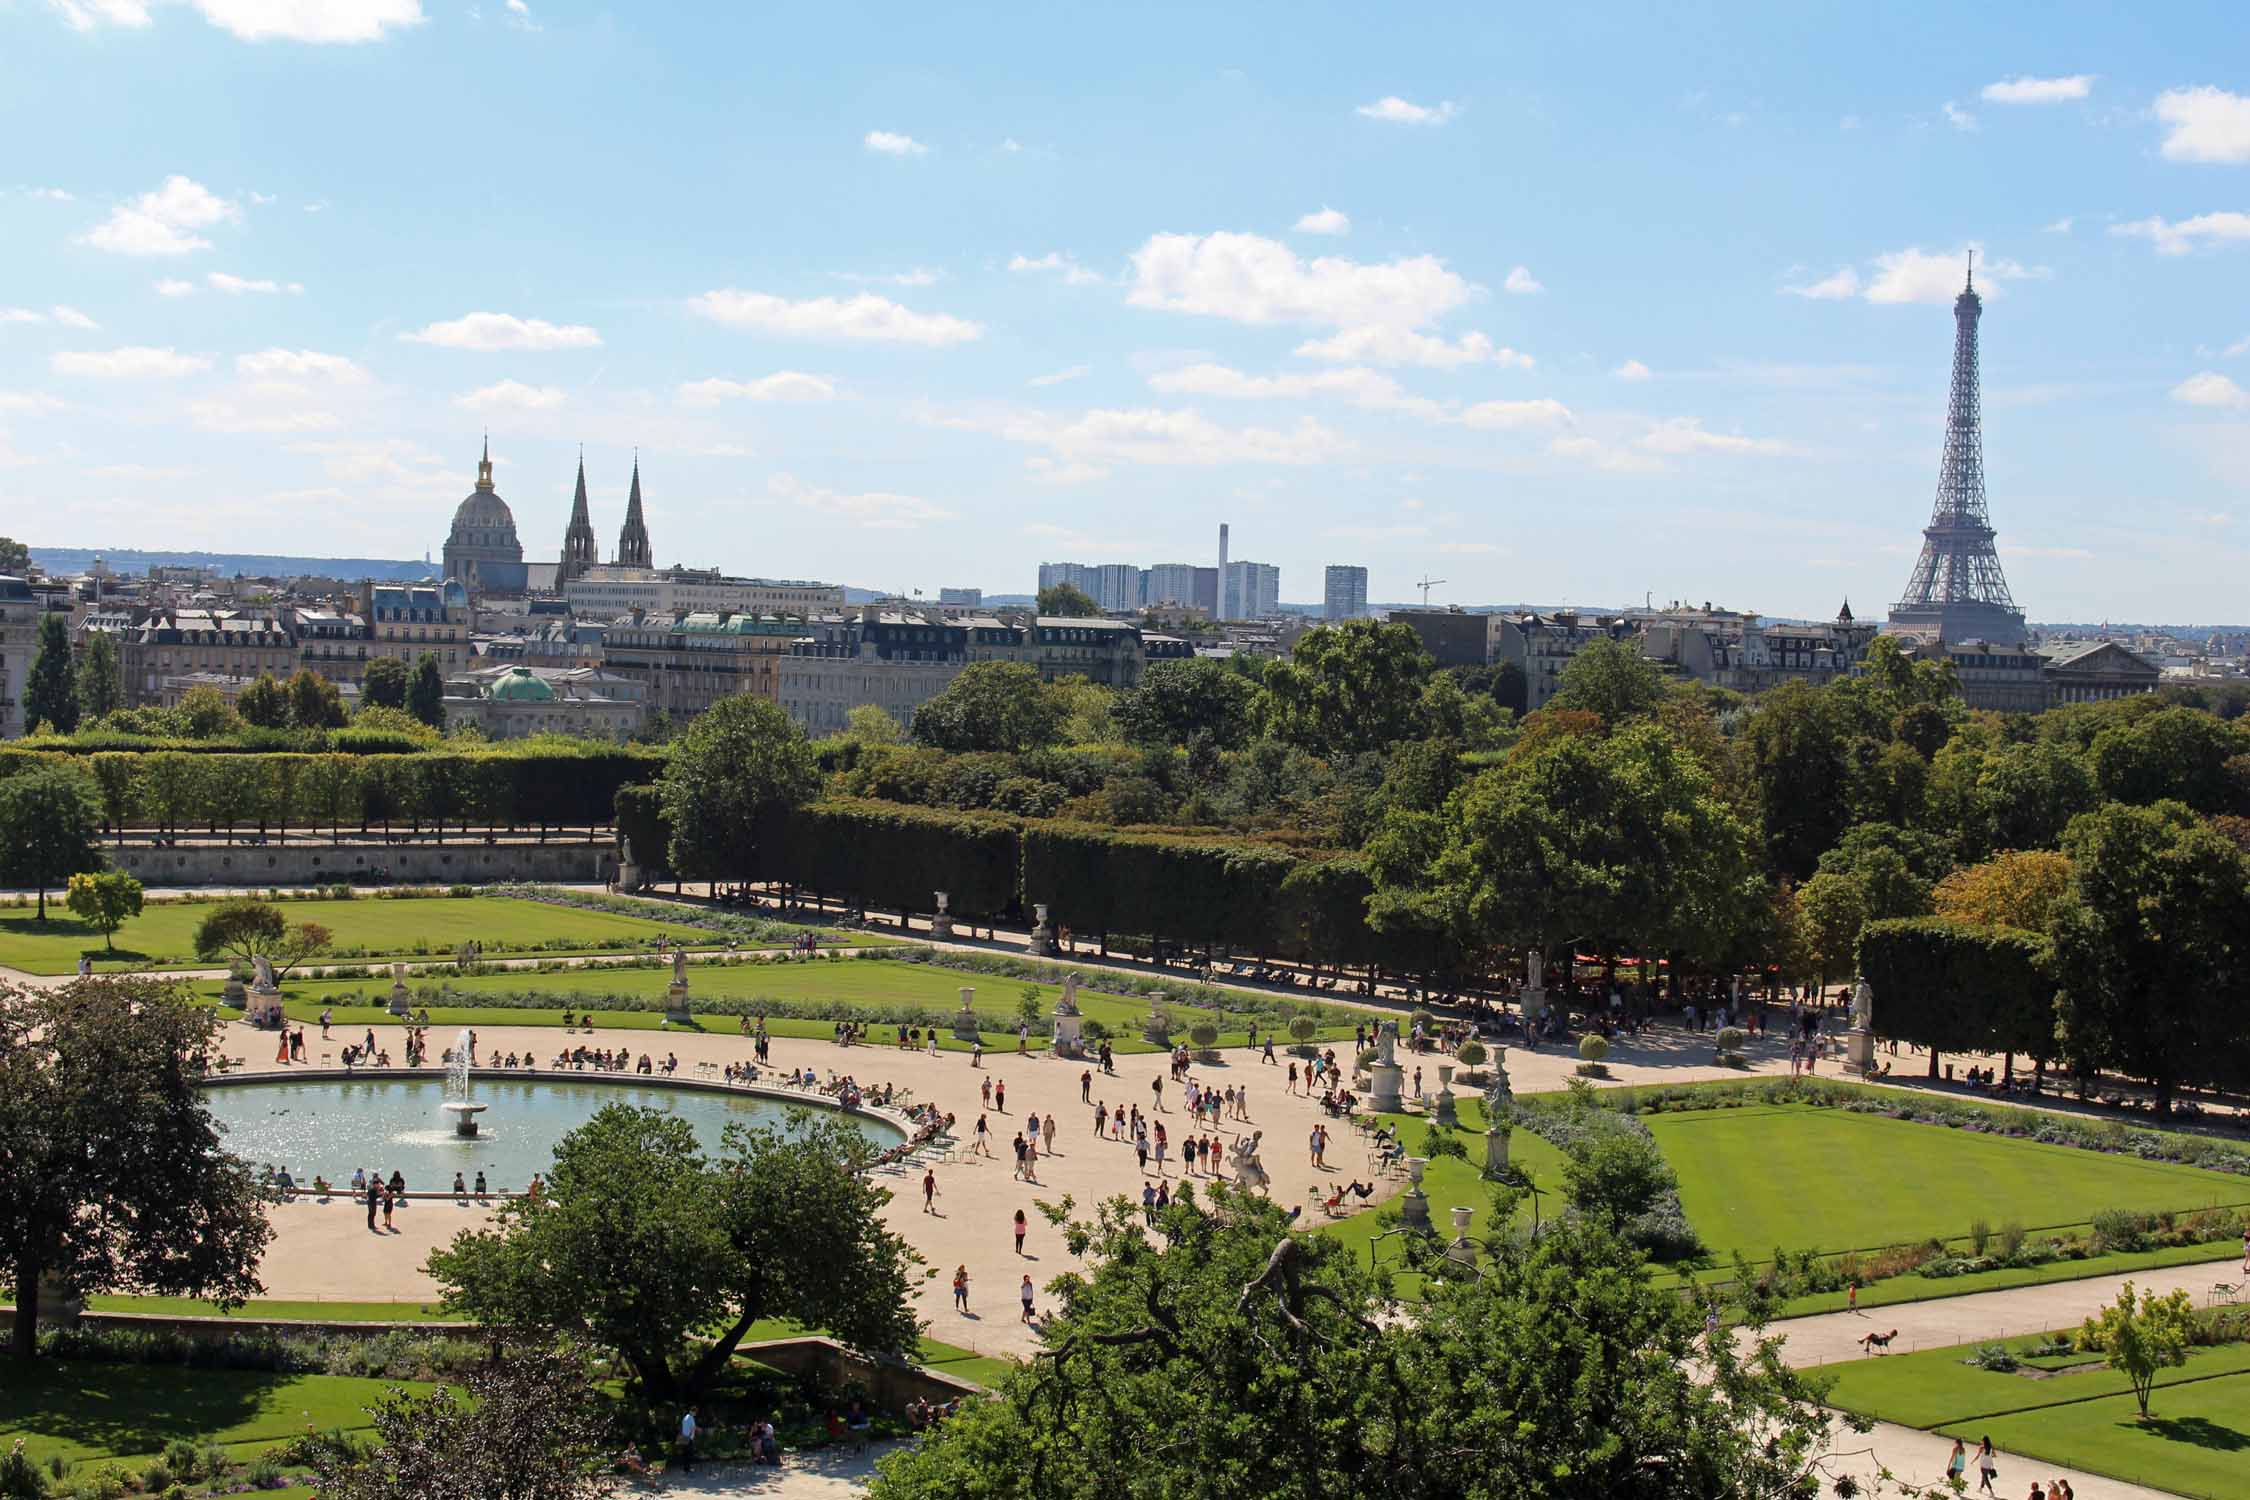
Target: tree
column 105, row 900
column 1177, row 699
column 1349, row 688
column 993, row 705
column 50, row 697
column 206, row 713
column 2142, row 1334
column 425, row 695
column 2176, row 753
column 644, row 1245
column 50, row 828
column 1610, row 677
column 737, row 771
column 113, row 1175
column 245, row 927
column 871, row 724
column 264, row 704
column 115, row 776
column 2020, row 888
column 1834, row 909
column 15, row 558
column 533, row 1428
column 1067, row 601
column 331, row 790
column 1243, row 1360
column 101, row 685
column 1616, row 1176
column 2148, row 948
column 1795, row 745
column 314, row 702
column 385, row 684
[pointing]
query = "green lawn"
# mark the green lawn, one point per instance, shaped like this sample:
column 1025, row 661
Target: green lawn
column 311, row 1312
column 867, row 983
column 1933, row 1388
column 2196, row 1442
column 1798, row 1177
column 163, row 935
column 1927, row 1288
column 83, row 1410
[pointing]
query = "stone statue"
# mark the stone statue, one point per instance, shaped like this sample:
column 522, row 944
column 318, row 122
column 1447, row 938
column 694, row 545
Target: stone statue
column 1386, row 1044
column 679, row 966
column 1499, row 1094
column 1863, row 1005
column 1534, row 968
column 1068, row 1004
column 1249, row 1172
column 625, row 849
column 264, row 966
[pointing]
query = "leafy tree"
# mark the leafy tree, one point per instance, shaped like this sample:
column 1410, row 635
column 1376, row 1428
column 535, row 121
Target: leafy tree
column 1611, row 678
column 15, row 558
column 2177, row 753
column 1834, row 909
column 331, row 786
column 50, row 697
column 871, row 724
column 1067, row 601
column 101, row 685
column 533, row 1428
column 1952, row 986
column 1795, row 744
column 1349, row 688
column 1511, row 687
column 50, row 828
column 2020, row 888
column 113, row 1175
column 314, row 702
column 1246, row 1361
column 2142, row 1334
column 1087, row 710
column 1616, row 1176
column 384, row 685
column 993, row 705
column 739, row 768
column 206, row 713
column 245, row 927
column 425, row 695
column 1179, row 699
column 264, row 704
column 644, row 1245
column 2148, row 948
column 115, row 777
column 105, row 900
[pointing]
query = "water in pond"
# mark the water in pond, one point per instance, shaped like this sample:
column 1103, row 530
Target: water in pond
column 401, row 1125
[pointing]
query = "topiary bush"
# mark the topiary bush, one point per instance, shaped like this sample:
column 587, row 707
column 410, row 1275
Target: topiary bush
column 1470, row 1054
column 1302, row 1029
column 1730, row 1040
column 1592, row 1048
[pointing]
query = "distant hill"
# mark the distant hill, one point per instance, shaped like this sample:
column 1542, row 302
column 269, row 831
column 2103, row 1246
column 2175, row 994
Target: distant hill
column 66, row 560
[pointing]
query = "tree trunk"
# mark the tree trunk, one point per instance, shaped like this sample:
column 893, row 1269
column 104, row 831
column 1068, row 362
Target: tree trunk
column 2164, row 1097
column 1933, row 1064
column 27, row 1311
column 2007, row 1068
column 42, row 903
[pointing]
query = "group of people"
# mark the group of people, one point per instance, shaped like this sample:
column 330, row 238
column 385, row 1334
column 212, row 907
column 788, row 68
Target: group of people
column 605, row 1060
column 381, row 1194
column 1987, row 1464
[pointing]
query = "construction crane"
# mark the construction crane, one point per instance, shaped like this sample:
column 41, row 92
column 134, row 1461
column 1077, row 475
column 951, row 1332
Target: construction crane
column 1425, row 586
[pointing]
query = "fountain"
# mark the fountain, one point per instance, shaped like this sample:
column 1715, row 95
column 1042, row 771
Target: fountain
column 457, row 1101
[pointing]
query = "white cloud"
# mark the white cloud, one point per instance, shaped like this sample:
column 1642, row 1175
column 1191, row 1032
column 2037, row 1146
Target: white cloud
column 1073, row 274
column 2238, row 347
column 21, row 315
column 171, row 287
column 2060, row 226
column 2208, row 124
column 866, row 317
column 1251, row 279
column 1522, row 282
column 260, row 200
column 1087, row 446
column 2211, row 389
column 1362, row 387
column 1515, row 416
column 2203, row 232
column 1325, row 221
column 131, row 363
column 1011, row 145
column 85, row 15
column 1399, row 111
column 163, row 222
column 28, row 401
column 891, row 143
column 1684, row 435
column 310, row 20
column 490, row 333
column 1057, row 377
column 1845, row 283
column 71, row 317
column 1604, row 456
column 917, row 276
column 271, row 409
column 2029, row 90
column 235, row 286
column 519, row 16
column 1915, row 275
column 782, row 385
column 1380, row 344
column 298, row 364
column 875, row 510
column 1632, row 369
column 512, row 395
column 1959, row 118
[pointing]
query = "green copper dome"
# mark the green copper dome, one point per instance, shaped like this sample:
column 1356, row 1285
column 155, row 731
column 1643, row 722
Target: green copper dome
column 521, row 685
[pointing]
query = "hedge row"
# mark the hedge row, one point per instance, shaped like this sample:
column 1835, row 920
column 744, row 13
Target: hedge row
column 1956, row 987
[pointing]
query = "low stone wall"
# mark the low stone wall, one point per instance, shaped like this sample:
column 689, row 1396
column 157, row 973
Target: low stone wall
column 889, row 1383
column 468, row 863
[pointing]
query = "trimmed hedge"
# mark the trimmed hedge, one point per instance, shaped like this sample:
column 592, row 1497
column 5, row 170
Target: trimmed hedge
column 1955, row 987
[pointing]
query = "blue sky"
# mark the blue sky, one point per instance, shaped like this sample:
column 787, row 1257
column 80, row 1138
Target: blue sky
column 1579, row 304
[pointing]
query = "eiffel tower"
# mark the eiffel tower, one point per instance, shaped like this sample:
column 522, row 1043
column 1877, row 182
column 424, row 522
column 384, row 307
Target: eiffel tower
column 1958, row 592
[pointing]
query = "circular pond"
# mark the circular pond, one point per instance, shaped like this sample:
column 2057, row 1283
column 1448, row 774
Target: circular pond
column 400, row 1124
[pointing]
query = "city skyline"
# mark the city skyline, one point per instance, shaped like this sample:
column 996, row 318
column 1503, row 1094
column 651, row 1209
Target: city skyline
column 1619, row 305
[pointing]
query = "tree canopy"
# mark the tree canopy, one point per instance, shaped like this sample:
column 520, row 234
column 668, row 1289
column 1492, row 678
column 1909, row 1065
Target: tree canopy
column 737, row 770
column 50, row 692
column 993, row 705
column 50, row 827
column 1067, row 601
column 1179, row 699
column 1349, row 688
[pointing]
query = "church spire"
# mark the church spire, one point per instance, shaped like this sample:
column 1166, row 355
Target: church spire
column 579, row 551
column 484, row 464
column 632, row 542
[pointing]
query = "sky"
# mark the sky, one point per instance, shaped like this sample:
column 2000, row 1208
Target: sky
column 1583, row 304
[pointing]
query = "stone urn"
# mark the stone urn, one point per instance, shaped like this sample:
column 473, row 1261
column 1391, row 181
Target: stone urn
column 1042, row 932
column 965, row 1019
column 1414, row 1206
column 1461, row 1252
column 941, row 924
column 1445, row 1111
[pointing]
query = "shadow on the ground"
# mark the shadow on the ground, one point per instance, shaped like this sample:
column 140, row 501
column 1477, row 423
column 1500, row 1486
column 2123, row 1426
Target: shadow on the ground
column 2199, row 1432
column 135, row 1409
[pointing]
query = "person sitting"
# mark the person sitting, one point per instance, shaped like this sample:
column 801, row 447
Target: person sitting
column 767, row 1444
column 1334, row 1202
column 632, row 1463
column 1360, row 1189
column 1877, row 1343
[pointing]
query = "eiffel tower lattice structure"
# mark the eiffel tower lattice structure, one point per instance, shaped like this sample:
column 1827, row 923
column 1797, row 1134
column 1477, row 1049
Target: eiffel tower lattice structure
column 1958, row 592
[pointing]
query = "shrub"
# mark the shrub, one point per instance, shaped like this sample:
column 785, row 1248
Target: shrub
column 1980, row 1235
column 1204, row 1035
column 1424, row 1020
column 157, row 1477
column 2011, row 1239
column 2119, row 1229
column 1470, row 1054
column 1303, row 1029
column 1993, row 1357
column 1730, row 1040
column 1438, row 1141
column 20, row 1478
column 1593, row 1046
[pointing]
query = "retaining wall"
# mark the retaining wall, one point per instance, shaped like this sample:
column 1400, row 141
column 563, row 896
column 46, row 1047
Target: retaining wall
column 404, row 864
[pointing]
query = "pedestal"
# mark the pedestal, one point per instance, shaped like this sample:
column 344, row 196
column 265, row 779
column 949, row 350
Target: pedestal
column 676, row 1002
column 1859, row 1050
column 1414, row 1206
column 1158, row 1029
column 965, row 1019
column 1070, row 1034
column 262, row 1007
column 232, row 993
column 941, row 925
column 1445, row 1111
column 1534, row 1003
column 1042, row 933
column 1383, row 1094
column 630, row 877
column 402, row 1004
column 1496, row 1150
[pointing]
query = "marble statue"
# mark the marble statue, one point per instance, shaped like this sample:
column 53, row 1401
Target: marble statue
column 679, row 966
column 264, row 966
column 1863, row 1005
column 1068, row 1005
column 1534, row 969
column 1498, row 1094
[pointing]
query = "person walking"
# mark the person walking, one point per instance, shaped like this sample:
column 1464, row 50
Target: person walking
column 1031, row 1159
column 1028, row 1294
column 987, row 1093
column 1000, row 1097
column 1086, row 1087
column 688, row 1431
column 1988, row 1467
column 374, row 1200
column 984, row 1129
column 1019, row 1156
column 1957, row 1467
column 929, row 1190
column 1047, row 1133
column 1156, row 1088
column 1101, row 1119
column 1269, row 1049
column 1021, row 1225
column 961, row 1289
